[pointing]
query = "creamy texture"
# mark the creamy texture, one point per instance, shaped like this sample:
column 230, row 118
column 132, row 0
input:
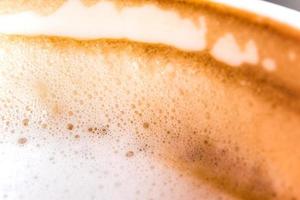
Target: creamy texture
column 227, row 50
column 53, row 97
column 147, row 24
column 101, row 119
column 73, row 111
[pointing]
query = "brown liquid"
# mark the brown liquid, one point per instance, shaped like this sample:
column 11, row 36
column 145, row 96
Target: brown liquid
column 236, row 129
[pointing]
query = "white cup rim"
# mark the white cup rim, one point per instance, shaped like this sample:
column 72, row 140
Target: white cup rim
column 273, row 11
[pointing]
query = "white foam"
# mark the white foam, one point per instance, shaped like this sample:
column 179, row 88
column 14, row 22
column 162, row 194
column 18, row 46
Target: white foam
column 227, row 50
column 269, row 64
column 147, row 23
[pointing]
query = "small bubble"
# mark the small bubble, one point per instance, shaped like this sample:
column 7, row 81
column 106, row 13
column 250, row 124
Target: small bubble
column 129, row 154
column 22, row 140
column 77, row 136
column 25, row 122
column 146, row 125
column 70, row 113
column 70, row 127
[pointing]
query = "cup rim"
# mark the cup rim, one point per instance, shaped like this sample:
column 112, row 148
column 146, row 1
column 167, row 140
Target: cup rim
column 270, row 10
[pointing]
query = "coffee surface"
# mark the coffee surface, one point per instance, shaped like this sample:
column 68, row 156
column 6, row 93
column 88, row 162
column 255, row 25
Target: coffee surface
column 116, row 118
column 245, row 40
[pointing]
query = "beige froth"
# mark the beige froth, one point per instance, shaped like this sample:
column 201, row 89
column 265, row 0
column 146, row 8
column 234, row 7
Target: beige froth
column 186, row 26
column 237, row 128
column 181, row 110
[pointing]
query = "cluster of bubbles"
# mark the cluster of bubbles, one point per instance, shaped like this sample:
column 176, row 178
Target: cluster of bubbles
column 125, row 115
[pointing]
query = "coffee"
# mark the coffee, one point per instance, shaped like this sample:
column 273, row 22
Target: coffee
column 174, row 100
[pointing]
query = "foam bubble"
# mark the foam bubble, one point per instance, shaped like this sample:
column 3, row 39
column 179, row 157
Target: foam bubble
column 22, row 140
